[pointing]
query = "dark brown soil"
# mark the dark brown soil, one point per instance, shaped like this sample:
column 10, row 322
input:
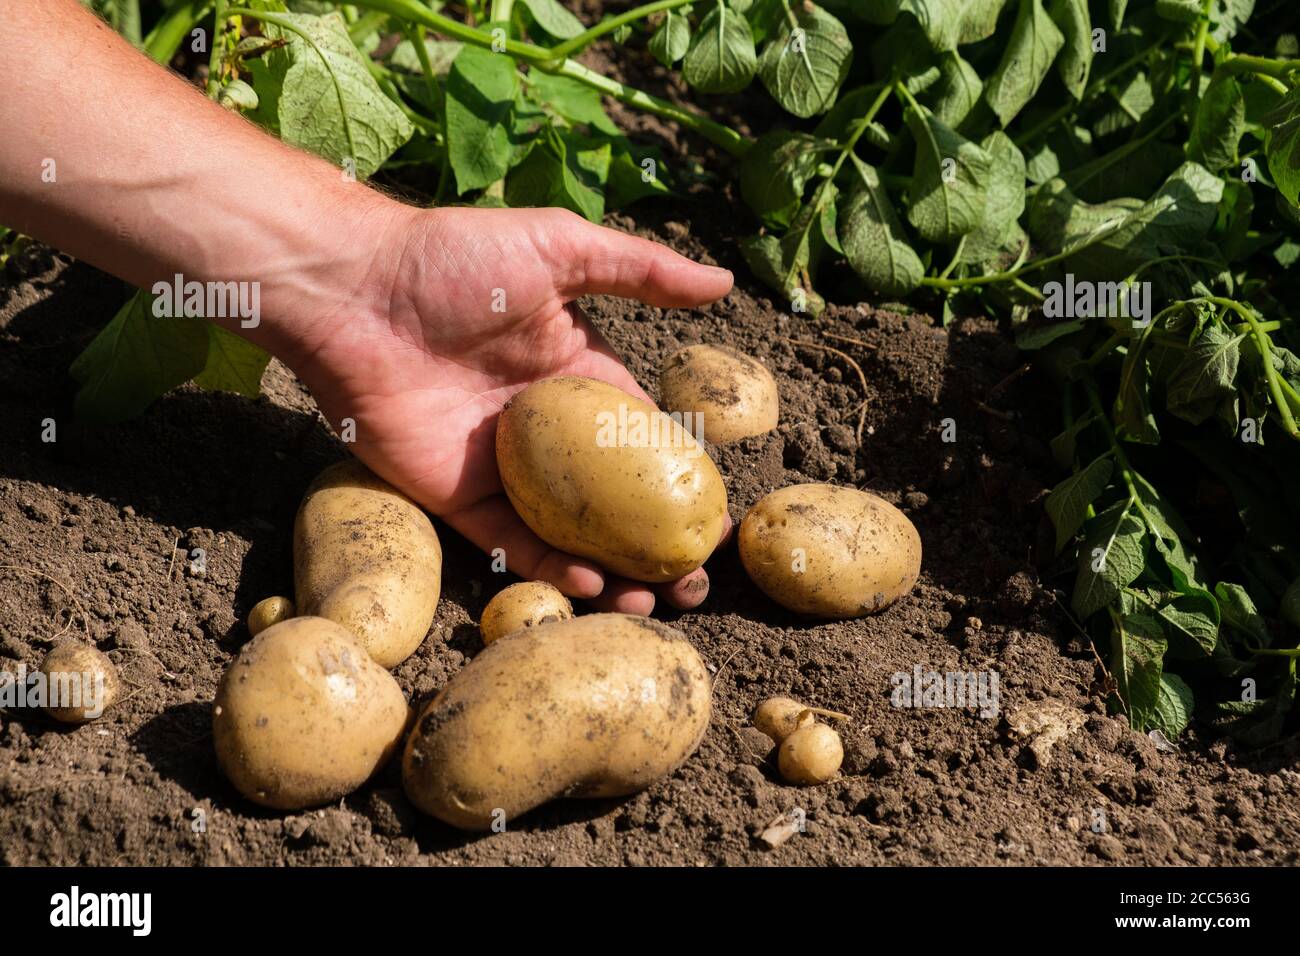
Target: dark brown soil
column 112, row 515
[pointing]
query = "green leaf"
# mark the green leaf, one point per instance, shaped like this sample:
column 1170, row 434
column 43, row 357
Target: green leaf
column 1238, row 613
column 1112, row 556
column 442, row 53
column 957, row 91
column 299, row 101
column 1192, row 623
column 630, row 178
column 1117, row 8
column 775, row 172
column 721, row 57
column 999, row 237
column 1205, row 376
column 1282, row 145
column 233, row 365
column 673, row 38
column 979, row 19
column 950, row 181
column 1067, row 504
column 135, row 359
column 1173, row 710
column 873, row 237
column 481, row 90
column 566, row 170
column 1137, row 662
column 1131, row 411
column 554, row 19
column 1029, row 53
column 805, row 63
column 574, row 101
column 1075, row 62
column 1218, row 125
column 942, row 21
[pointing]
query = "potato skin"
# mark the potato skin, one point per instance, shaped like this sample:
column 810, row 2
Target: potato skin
column 522, row 605
column 267, row 612
column 304, row 716
column 650, row 511
column 810, row 755
column 861, row 552
column 367, row 557
column 80, row 662
column 598, row 706
column 735, row 394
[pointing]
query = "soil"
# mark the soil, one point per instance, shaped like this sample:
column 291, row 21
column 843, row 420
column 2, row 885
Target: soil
column 98, row 530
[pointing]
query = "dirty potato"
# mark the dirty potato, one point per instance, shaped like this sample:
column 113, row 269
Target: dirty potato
column 734, row 395
column 304, row 716
column 598, row 706
column 828, row 551
column 81, row 682
column 526, row 604
column 366, row 557
column 267, row 612
column 600, row 474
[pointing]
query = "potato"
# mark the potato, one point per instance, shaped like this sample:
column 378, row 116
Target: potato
column 80, row 682
column 605, row 476
column 303, row 715
column 268, row 611
column 597, row 706
column 527, row 604
column 812, row 754
column 779, row 717
column 734, row 394
column 366, row 557
column 828, row 551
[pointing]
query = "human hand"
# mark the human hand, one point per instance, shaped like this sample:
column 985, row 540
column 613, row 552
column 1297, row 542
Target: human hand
column 463, row 309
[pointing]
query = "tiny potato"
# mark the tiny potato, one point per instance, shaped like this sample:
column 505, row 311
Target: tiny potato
column 602, row 475
column 268, row 611
column 526, row 604
column 812, row 754
column 779, row 717
column 828, row 551
column 304, row 716
column 735, row 394
column 81, row 682
column 596, row 706
column 367, row 557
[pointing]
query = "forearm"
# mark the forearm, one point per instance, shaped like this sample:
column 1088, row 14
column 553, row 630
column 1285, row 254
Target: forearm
column 121, row 163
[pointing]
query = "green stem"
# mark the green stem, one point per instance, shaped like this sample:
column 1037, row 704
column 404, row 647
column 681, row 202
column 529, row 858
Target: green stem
column 502, row 10
column 169, row 33
column 610, row 24
column 214, row 55
column 1265, row 345
column 1121, row 459
column 1198, row 46
column 1263, row 66
column 546, row 60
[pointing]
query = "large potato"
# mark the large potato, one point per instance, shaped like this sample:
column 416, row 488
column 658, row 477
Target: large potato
column 600, row 474
column 830, row 551
column 365, row 556
column 303, row 716
column 734, row 395
column 596, row 706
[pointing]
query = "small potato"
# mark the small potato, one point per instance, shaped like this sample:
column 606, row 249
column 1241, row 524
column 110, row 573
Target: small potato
column 304, row 716
column 828, row 551
column 80, row 682
column 527, row 604
column 600, row 474
column 779, row 717
column 597, row 706
column 812, row 754
column 365, row 556
column 268, row 611
column 735, row 395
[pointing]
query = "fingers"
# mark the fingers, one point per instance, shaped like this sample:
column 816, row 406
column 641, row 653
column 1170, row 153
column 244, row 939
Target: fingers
column 492, row 523
column 625, row 597
column 592, row 260
column 688, row 592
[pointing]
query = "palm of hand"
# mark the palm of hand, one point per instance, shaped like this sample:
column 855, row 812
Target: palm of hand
column 478, row 306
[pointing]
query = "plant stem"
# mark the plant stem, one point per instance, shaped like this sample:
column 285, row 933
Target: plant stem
column 1263, row 66
column 546, row 60
column 610, row 24
column 1198, row 46
column 214, row 55
column 168, row 33
column 502, row 10
column 1265, row 346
